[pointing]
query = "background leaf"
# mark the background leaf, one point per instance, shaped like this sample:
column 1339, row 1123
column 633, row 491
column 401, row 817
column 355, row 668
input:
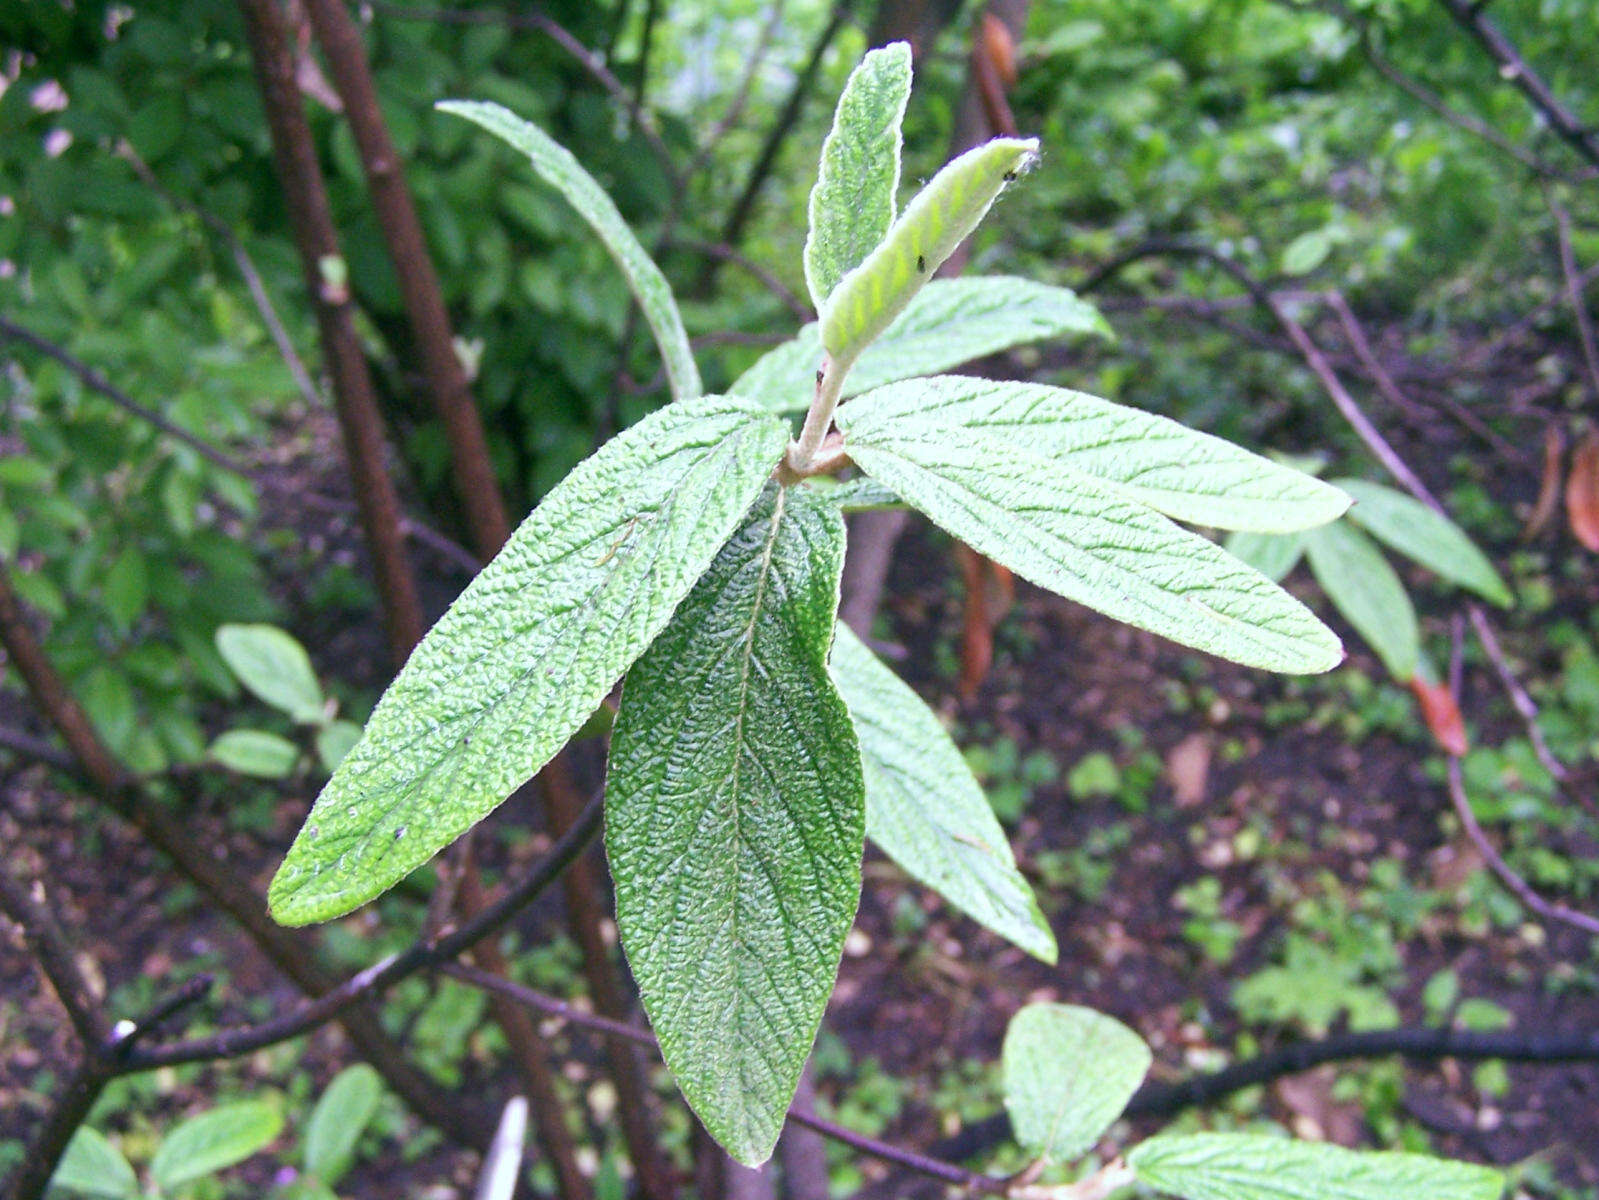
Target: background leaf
column 1072, row 534
column 735, row 816
column 1274, row 555
column 255, row 752
column 1238, row 1166
column 528, row 651
column 342, row 1114
column 947, row 323
column 943, row 213
column 274, row 667
column 214, row 1141
column 924, row 809
column 92, row 1166
column 1362, row 586
column 853, row 202
column 1153, row 461
column 555, row 165
column 1418, row 532
column 1069, row 1072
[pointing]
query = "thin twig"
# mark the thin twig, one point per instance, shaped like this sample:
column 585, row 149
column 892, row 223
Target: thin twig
column 586, row 58
column 725, row 253
column 1514, row 68
column 51, row 951
column 1518, row 886
column 909, row 1159
column 247, row 270
column 1579, row 307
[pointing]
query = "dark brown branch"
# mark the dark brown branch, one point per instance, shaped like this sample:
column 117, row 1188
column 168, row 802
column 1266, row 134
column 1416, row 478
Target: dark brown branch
column 1518, row 71
column 448, row 391
column 50, row 950
column 386, row 973
column 311, row 219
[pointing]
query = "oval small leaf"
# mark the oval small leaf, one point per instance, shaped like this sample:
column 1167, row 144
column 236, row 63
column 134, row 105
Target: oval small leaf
column 342, row 1113
column 1069, row 1073
column 214, row 1141
column 92, row 1166
column 255, row 752
column 274, row 667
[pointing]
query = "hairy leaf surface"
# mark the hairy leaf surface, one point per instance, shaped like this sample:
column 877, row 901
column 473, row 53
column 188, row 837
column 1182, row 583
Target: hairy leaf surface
column 555, row 164
column 947, row 323
column 1075, row 535
column 868, row 299
column 1417, row 532
column 735, row 815
column 924, row 808
column 1151, row 460
column 1241, row 1166
column 1362, row 586
column 1272, row 554
column 853, row 201
column 528, row 651
column 1069, row 1072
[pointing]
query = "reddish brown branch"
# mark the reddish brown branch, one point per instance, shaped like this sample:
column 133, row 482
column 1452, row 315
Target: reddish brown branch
column 311, row 219
column 447, row 388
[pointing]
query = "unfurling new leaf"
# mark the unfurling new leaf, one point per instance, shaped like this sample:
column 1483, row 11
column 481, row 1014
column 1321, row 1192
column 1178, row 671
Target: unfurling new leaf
column 528, row 651
column 735, row 815
column 924, row 809
column 852, row 204
column 867, row 300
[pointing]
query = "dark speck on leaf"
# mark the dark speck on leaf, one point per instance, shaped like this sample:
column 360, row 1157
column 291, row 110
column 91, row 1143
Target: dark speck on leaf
column 921, row 265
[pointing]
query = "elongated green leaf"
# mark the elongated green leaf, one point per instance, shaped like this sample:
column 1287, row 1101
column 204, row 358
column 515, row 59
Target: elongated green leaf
column 1241, row 1166
column 555, row 165
column 924, row 808
column 863, row 494
column 1072, row 534
column 255, row 752
column 214, row 1141
column 342, row 1113
column 1417, row 532
column 735, row 815
column 1151, row 460
column 853, row 202
column 1069, row 1072
column 868, row 299
column 92, row 1166
column 947, row 323
column 1272, row 554
column 528, row 651
column 1362, row 586
column 273, row 666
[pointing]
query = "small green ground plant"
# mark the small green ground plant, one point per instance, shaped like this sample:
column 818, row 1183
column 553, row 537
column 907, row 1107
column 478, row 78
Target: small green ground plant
column 696, row 558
